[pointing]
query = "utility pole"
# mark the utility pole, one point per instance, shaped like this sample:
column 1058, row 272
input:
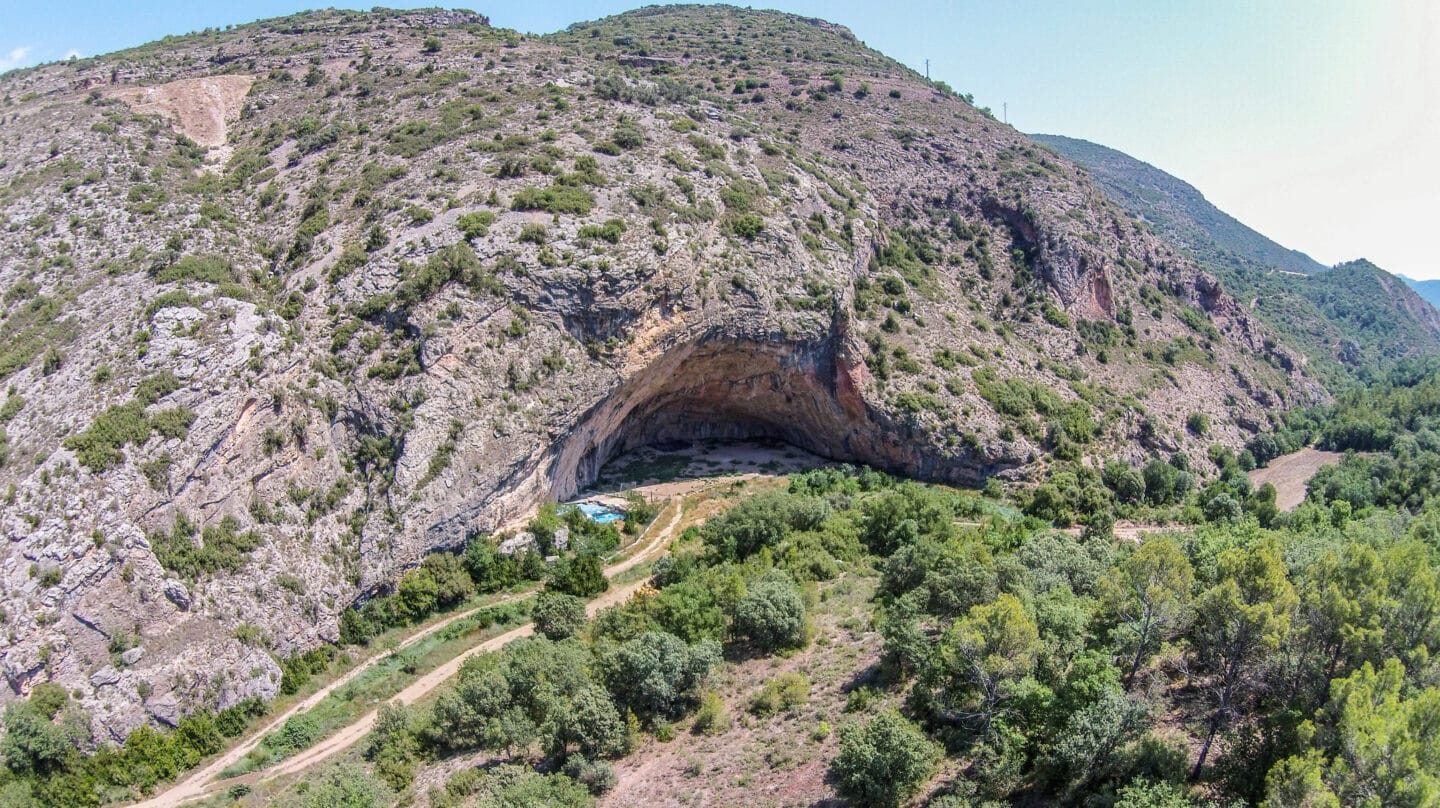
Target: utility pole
column 1005, row 113
column 927, row 69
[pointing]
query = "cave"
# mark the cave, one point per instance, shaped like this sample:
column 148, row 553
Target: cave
column 806, row 394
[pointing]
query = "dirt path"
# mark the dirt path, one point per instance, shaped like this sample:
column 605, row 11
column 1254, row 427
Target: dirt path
column 1132, row 532
column 1291, row 473
column 652, row 544
column 195, row 785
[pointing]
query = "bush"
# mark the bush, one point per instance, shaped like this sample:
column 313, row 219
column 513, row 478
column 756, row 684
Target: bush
column 533, row 233
column 784, row 693
column 98, row 447
column 772, row 614
column 582, row 576
column 747, row 226
column 1198, row 423
column 711, row 718
column 221, row 547
column 596, row 775
column 610, row 231
column 883, row 762
column 475, row 225
column 558, row 615
column 200, row 269
column 555, row 199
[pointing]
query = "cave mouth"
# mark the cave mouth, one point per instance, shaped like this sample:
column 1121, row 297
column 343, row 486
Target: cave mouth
column 798, row 393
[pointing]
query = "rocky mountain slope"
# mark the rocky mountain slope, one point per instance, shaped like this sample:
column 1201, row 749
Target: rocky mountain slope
column 290, row 305
column 1177, row 209
column 1354, row 319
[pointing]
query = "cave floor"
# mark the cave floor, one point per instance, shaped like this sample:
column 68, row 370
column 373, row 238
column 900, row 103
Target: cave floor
column 664, row 471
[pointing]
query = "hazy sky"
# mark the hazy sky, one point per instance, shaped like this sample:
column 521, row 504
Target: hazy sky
column 1317, row 123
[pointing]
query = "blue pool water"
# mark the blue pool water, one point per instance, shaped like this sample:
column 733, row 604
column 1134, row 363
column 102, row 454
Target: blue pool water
column 603, row 514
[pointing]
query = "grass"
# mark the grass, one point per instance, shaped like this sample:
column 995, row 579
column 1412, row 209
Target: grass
column 380, row 683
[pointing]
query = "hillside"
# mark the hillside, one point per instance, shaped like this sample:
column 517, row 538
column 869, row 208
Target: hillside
column 1178, row 210
column 1430, row 290
column 291, row 305
column 1353, row 321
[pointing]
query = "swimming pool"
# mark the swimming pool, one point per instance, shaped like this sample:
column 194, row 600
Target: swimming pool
column 599, row 512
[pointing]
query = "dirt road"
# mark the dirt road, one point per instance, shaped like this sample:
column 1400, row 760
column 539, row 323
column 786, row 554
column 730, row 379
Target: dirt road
column 200, row 784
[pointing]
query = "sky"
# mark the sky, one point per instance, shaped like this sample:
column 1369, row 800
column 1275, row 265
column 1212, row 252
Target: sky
column 1316, row 123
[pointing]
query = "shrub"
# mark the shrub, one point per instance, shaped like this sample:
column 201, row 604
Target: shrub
column 558, row 615
column 222, row 547
column 201, row 269
column 747, row 226
column 174, row 422
column 628, row 136
column 883, row 762
column 784, row 693
column 475, row 225
column 1198, row 423
column 98, row 447
column 555, row 199
column 610, row 231
column 534, row 233
column 711, row 718
column 772, row 614
column 596, row 775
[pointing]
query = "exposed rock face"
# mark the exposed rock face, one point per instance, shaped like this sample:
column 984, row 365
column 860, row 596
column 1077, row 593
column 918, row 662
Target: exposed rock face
column 432, row 288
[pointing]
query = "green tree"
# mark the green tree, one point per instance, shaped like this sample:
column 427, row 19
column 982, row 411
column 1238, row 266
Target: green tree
column 689, row 609
column 1375, row 747
column 1239, row 623
column 772, row 614
column 41, row 732
column 453, row 584
column 982, row 662
column 1148, row 595
column 582, row 576
column 558, row 615
column 904, row 514
column 592, row 723
column 655, row 673
column 1339, row 619
column 883, row 762
column 1412, row 605
column 417, row 594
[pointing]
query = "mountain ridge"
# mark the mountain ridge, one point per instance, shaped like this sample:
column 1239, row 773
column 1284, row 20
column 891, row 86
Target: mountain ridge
column 1351, row 320
column 1171, row 200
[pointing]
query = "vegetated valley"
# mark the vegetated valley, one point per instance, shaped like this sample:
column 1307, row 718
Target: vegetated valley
column 923, row 467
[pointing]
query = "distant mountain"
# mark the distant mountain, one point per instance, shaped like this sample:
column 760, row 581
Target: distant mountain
column 1430, row 290
column 1351, row 321
column 1177, row 210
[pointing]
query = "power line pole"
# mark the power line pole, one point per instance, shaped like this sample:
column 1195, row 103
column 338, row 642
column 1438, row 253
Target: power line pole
column 927, row 69
column 1005, row 111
